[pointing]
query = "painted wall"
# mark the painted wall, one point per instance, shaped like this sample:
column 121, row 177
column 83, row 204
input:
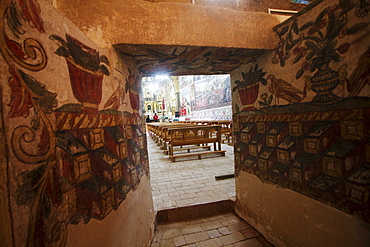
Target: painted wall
column 301, row 123
column 73, row 156
column 200, row 93
column 245, row 5
column 140, row 22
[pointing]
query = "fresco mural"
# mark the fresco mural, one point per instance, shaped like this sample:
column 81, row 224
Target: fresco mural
column 309, row 130
column 203, row 92
column 74, row 162
column 212, row 92
column 183, row 60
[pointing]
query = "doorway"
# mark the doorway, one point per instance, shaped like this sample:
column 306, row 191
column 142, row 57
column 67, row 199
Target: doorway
column 189, row 181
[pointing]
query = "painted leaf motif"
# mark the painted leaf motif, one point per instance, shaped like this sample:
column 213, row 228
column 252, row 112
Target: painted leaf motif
column 310, row 45
column 237, row 109
column 115, row 99
column 320, row 16
column 53, row 187
column 20, row 98
column 299, row 74
column 44, row 142
column 27, row 190
column 282, row 62
column 297, row 58
column 269, row 99
column 63, row 52
column 314, row 64
column 295, row 27
column 31, row 12
column 14, row 20
column 284, row 31
column 16, row 48
column 45, row 99
column 307, row 25
column 357, row 28
column 310, row 55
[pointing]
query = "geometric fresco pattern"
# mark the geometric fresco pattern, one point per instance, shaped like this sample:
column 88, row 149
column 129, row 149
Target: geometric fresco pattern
column 100, row 164
column 325, row 155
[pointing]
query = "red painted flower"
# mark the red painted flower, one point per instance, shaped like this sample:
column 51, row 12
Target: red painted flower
column 296, row 50
column 302, row 51
column 343, row 32
column 31, row 12
column 306, row 65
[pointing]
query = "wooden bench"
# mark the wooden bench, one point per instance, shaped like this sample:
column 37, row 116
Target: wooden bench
column 175, row 137
column 194, row 136
column 226, row 128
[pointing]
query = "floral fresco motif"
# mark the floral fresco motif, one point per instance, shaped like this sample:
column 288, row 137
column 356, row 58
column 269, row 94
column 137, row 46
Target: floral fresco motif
column 248, row 88
column 318, row 43
column 133, row 88
column 86, row 69
column 317, row 147
column 28, row 53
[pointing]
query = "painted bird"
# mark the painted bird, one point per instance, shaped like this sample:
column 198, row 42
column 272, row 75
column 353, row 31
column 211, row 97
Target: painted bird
column 284, row 90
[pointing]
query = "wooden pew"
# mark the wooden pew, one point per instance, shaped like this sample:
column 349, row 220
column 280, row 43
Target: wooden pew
column 174, row 137
column 195, row 135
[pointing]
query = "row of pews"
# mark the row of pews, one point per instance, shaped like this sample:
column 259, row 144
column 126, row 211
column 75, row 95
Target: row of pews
column 196, row 139
column 226, row 128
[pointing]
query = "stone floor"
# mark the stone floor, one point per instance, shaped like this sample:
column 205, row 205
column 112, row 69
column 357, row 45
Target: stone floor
column 189, row 181
column 220, row 230
column 184, row 185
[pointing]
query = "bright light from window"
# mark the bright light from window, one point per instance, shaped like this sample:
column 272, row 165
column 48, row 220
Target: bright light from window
column 161, row 76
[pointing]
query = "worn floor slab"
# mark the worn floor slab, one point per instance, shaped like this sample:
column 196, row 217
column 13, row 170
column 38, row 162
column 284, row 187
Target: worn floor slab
column 189, row 181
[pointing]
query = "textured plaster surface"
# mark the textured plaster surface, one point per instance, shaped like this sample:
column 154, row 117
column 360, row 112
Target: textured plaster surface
column 133, row 222
column 287, row 218
column 140, row 22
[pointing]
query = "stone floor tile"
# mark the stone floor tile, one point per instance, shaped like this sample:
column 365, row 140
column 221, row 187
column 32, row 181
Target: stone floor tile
column 211, row 225
column 171, row 233
column 250, row 233
column 253, row 242
column 210, row 243
column 189, row 176
column 179, row 241
column 239, row 226
column 185, row 202
column 232, row 238
column 187, row 196
column 191, row 229
column 224, row 230
column 195, row 221
column 232, row 219
column 214, row 233
column 196, row 237
column 167, row 243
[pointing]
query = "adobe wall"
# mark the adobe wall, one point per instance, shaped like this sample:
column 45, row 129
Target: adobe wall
column 244, row 5
column 74, row 161
column 142, row 22
column 301, row 124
